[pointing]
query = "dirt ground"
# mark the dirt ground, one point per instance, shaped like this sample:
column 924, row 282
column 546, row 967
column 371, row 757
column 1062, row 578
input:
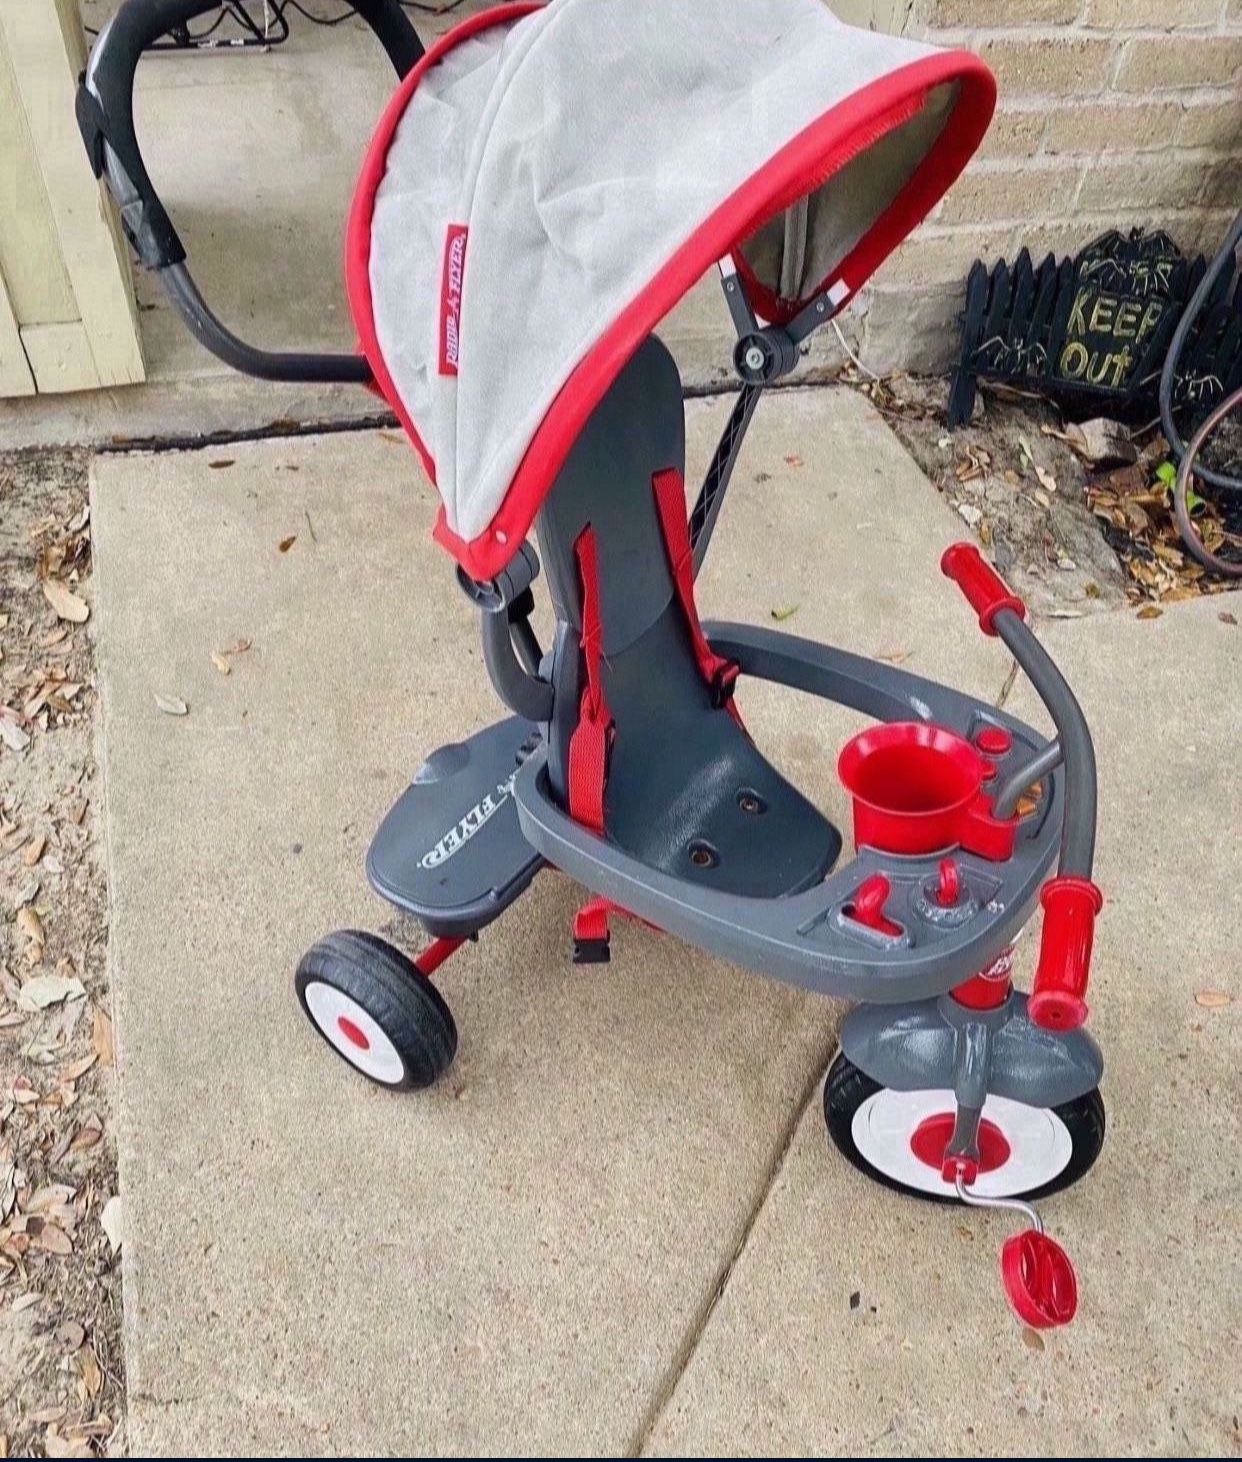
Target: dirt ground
column 61, row 1369
column 1073, row 532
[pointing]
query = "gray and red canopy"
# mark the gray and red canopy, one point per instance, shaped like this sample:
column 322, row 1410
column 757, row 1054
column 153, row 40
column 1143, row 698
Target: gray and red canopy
column 549, row 181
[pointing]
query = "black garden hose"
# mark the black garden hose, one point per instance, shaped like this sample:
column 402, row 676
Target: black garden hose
column 1187, row 455
column 1222, row 261
column 1181, row 487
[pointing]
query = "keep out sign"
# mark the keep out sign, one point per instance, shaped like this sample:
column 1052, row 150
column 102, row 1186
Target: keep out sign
column 1104, row 336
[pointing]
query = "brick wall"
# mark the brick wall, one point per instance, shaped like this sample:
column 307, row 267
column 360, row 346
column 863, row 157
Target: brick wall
column 1110, row 113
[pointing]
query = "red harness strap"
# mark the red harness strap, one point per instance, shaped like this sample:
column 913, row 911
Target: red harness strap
column 588, row 746
column 670, row 496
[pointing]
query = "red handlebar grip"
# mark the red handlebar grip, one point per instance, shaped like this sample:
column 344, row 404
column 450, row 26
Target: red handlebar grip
column 1070, row 908
column 986, row 592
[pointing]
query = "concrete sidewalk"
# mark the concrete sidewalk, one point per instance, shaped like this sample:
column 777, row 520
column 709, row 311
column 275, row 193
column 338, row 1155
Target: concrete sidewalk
column 529, row 1258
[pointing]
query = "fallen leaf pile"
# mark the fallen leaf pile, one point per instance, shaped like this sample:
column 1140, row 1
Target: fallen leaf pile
column 1135, row 502
column 1099, row 469
column 61, row 1393
column 38, row 686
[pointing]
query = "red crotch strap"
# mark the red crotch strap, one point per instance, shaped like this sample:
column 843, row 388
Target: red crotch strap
column 591, row 934
column 670, row 495
column 588, row 746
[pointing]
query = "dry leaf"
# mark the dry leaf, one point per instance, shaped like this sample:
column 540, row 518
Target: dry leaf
column 101, row 1037
column 65, row 602
column 221, row 462
column 54, row 1445
column 894, row 657
column 1032, row 1339
column 92, row 1376
column 110, row 1222
column 1213, row 999
column 78, row 1069
column 51, row 1195
column 34, row 850
column 52, row 1239
column 14, row 736
column 29, row 924
column 1046, row 478
column 87, row 1135
column 1226, row 618
column 171, row 705
column 45, row 990
column 1149, row 611
column 223, row 659
column 286, row 544
column 70, row 1335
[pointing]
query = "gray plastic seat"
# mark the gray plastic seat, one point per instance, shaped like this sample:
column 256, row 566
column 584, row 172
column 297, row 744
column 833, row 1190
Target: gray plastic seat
column 688, row 791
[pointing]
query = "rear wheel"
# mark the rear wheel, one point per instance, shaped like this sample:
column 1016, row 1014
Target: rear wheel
column 898, row 1138
column 376, row 1009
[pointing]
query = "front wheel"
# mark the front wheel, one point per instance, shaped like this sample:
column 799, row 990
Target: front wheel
column 898, row 1138
column 376, row 1009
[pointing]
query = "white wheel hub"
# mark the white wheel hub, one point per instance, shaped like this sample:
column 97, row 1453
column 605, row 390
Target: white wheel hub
column 1039, row 1142
column 355, row 1034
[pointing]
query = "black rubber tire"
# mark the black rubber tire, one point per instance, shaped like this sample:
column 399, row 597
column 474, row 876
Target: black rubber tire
column 846, row 1088
column 394, row 992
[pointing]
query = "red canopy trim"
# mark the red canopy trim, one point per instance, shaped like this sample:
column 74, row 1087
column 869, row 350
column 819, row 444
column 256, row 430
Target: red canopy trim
column 804, row 164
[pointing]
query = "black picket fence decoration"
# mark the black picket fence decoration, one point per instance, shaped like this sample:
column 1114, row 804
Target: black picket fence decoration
column 1095, row 329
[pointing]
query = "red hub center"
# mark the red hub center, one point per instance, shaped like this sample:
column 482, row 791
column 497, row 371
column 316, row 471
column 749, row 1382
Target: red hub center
column 354, row 1034
column 930, row 1139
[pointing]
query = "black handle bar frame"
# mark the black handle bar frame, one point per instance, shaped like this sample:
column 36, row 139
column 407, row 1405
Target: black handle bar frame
column 105, row 114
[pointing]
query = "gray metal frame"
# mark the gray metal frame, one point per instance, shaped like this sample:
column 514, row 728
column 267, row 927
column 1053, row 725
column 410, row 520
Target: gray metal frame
column 942, row 1044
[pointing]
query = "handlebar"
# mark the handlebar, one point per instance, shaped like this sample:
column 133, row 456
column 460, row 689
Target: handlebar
column 1070, row 900
column 986, row 592
column 105, row 114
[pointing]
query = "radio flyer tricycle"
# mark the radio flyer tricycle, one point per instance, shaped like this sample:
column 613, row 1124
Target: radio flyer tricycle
column 545, row 185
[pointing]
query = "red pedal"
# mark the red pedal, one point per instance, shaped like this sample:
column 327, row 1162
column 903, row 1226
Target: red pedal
column 1039, row 1280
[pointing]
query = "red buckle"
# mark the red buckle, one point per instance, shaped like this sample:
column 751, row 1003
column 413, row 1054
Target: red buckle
column 591, row 933
column 724, row 683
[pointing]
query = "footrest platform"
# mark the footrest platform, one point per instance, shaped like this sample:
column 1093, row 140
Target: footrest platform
column 450, row 852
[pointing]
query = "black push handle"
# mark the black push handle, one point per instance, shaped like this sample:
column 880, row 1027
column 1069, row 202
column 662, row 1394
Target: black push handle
column 105, row 113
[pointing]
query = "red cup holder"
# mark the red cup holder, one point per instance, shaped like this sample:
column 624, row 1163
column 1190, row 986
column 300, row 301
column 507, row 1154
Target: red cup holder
column 916, row 789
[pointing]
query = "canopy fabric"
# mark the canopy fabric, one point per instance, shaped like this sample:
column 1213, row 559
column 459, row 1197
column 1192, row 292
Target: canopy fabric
column 550, row 180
